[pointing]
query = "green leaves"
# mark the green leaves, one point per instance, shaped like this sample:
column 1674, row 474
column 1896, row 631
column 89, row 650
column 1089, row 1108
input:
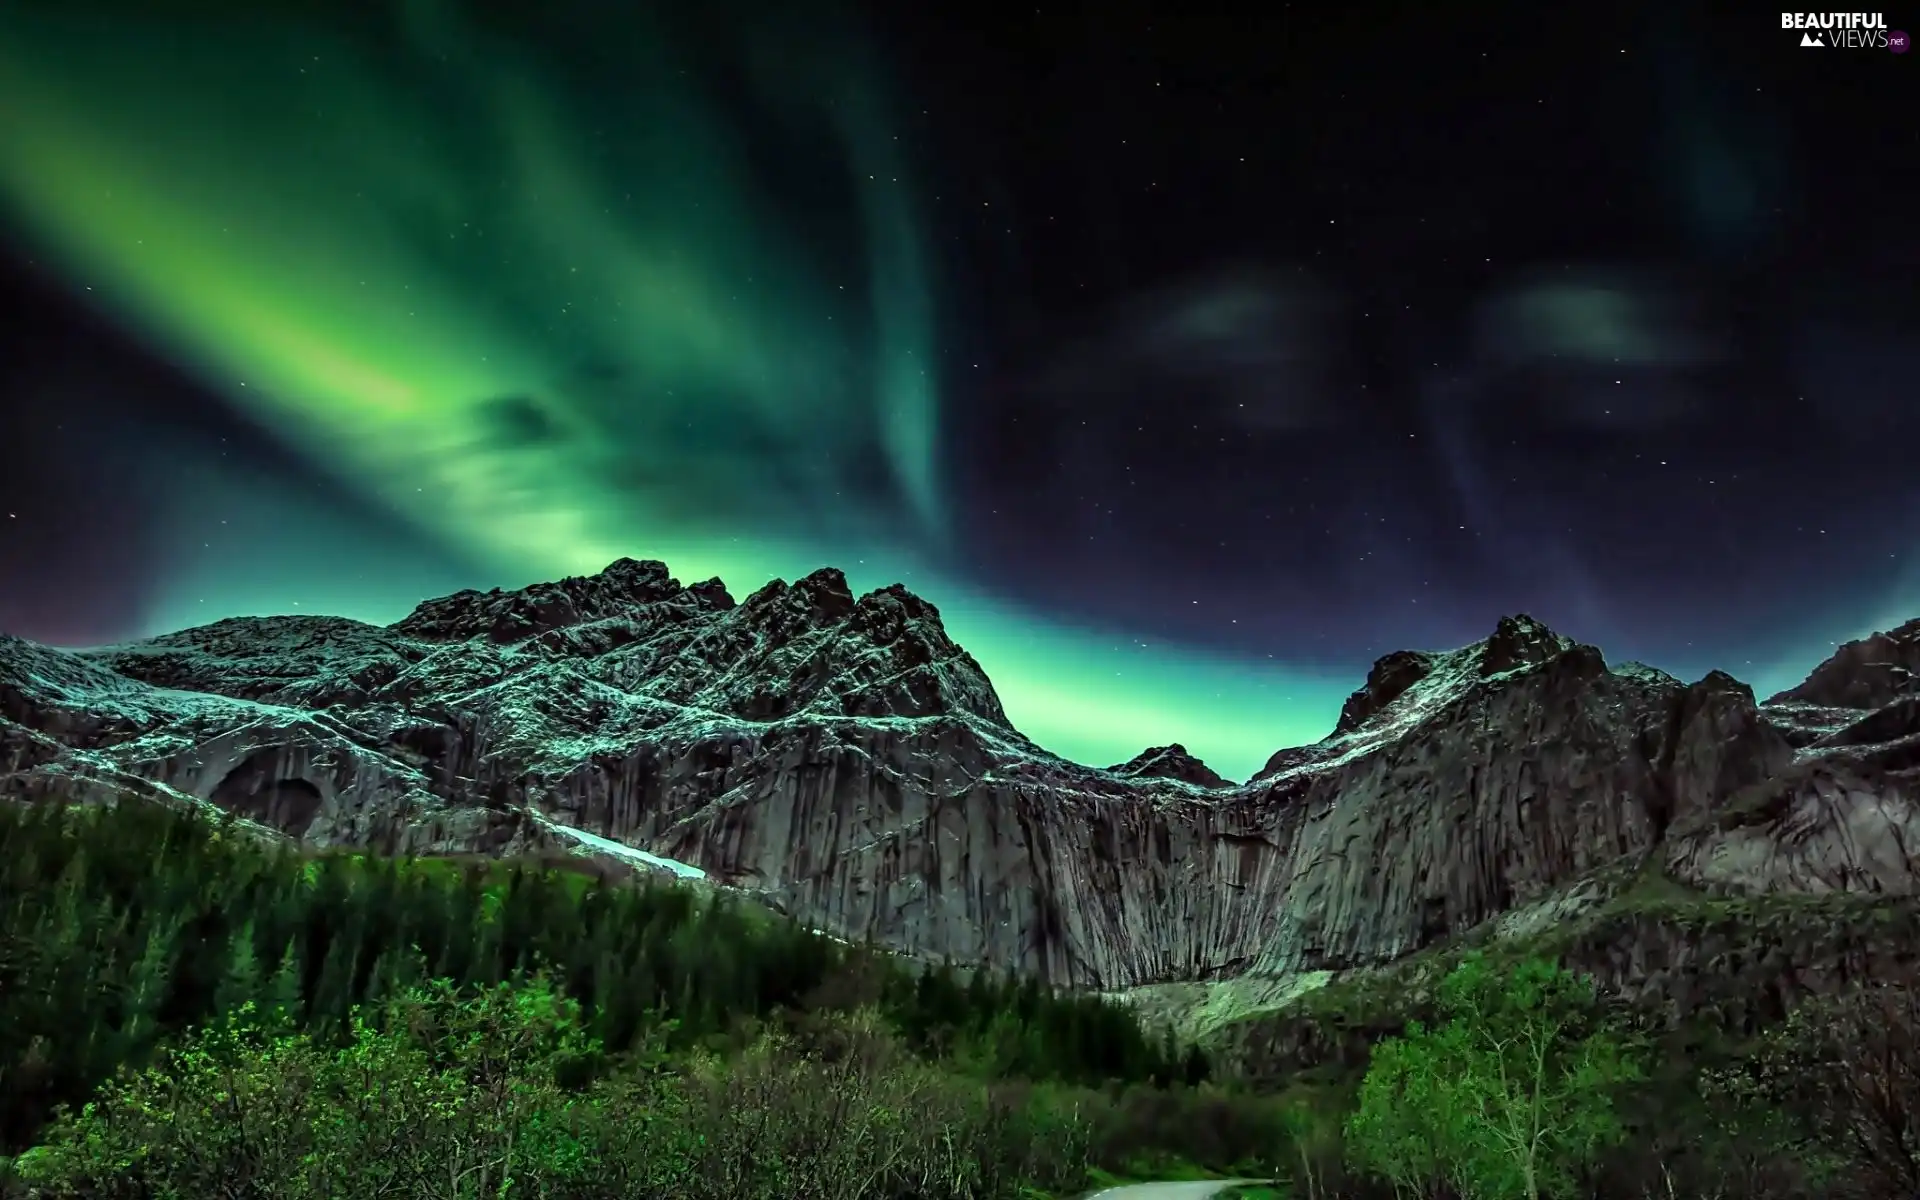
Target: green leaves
column 1506, row 1099
column 1397, row 1130
column 454, row 1094
column 1849, row 1067
column 437, row 1093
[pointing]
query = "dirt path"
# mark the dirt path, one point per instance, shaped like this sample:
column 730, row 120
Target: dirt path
column 1169, row 1191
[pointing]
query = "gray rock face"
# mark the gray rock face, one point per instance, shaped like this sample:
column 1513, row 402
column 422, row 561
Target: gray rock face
column 843, row 757
column 1870, row 673
column 1733, row 967
column 1170, row 762
column 1836, row 813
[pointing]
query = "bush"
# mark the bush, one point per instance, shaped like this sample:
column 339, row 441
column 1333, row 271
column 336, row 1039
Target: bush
column 435, row 1094
column 438, row 1094
column 1849, row 1066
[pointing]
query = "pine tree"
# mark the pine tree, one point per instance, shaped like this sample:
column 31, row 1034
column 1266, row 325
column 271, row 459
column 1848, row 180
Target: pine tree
column 146, row 991
column 281, row 1003
column 333, row 991
column 1169, row 1059
column 981, row 1001
column 242, row 979
column 1196, row 1069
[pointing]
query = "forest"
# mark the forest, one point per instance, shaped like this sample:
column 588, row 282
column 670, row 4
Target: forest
column 189, row 1009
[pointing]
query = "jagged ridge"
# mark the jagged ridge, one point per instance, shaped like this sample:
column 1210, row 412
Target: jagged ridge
column 845, row 758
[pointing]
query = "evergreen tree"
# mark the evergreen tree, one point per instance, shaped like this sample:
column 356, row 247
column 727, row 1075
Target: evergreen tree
column 281, row 1003
column 333, row 990
column 1168, row 1060
column 146, row 991
column 243, row 978
column 1196, row 1069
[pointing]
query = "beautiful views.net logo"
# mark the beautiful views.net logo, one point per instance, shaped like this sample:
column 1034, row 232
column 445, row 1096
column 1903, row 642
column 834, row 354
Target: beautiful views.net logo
column 1849, row 31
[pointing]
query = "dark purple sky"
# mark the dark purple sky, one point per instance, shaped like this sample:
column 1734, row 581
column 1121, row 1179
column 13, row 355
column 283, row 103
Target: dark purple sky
column 1372, row 323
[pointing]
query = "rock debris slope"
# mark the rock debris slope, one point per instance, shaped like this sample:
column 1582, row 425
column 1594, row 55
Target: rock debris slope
column 844, row 758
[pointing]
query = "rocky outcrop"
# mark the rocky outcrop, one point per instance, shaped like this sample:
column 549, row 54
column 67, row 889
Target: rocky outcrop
column 1794, row 797
column 1475, row 790
column 1170, row 762
column 841, row 756
column 1870, row 673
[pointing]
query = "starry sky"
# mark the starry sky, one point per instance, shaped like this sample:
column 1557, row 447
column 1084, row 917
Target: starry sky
column 1188, row 363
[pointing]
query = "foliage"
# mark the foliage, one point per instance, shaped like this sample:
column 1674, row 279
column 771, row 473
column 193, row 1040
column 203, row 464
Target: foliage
column 1746, row 1136
column 1402, row 1128
column 1313, row 1128
column 440, row 1094
column 1508, row 1097
column 1851, row 1064
column 434, row 1094
column 121, row 926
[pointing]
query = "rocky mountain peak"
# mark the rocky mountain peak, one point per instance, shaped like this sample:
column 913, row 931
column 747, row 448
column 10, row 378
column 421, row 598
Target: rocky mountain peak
column 624, row 587
column 1520, row 641
column 1389, row 679
column 1871, row 672
column 640, row 579
column 1717, row 681
column 828, row 596
column 884, row 654
column 1170, row 762
column 711, row 594
column 811, row 602
column 1516, row 642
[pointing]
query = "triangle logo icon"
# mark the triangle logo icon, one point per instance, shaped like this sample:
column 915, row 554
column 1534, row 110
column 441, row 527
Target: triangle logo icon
column 1807, row 39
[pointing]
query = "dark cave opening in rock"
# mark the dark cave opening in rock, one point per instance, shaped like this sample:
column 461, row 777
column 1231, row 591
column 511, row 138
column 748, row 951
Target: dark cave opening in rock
column 256, row 791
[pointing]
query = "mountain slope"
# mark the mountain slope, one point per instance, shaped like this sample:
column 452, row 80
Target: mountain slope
column 844, row 758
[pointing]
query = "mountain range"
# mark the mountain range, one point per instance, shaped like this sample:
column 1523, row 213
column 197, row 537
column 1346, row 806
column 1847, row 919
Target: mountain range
column 844, row 760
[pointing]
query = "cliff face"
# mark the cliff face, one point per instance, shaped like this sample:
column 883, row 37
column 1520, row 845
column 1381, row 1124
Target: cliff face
column 1732, row 965
column 843, row 757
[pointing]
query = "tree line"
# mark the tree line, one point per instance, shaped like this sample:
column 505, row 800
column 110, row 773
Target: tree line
column 124, row 925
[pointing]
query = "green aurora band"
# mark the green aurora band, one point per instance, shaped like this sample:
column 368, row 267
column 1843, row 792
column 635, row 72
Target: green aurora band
column 551, row 325
column 548, row 317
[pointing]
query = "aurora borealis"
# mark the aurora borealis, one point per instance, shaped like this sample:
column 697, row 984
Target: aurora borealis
column 547, row 348
column 544, row 289
column 446, row 302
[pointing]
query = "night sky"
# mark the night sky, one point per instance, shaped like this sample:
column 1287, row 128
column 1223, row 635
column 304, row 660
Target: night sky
column 1187, row 363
